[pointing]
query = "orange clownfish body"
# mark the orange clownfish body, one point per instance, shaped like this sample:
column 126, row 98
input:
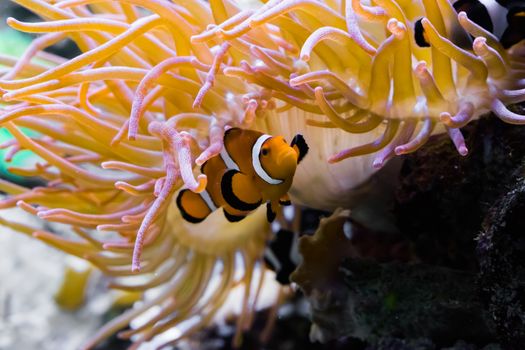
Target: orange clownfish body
column 252, row 168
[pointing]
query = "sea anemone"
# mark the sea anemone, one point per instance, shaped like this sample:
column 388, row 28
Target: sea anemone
column 118, row 131
column 359, row 67
column 124, row 125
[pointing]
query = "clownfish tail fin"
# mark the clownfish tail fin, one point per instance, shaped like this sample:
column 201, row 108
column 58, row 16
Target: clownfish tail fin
column 300, row 146
column 193, row 206
column 270, row 213
column 231, row 217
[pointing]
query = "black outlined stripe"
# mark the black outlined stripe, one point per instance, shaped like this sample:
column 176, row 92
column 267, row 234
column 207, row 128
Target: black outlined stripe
column 183, row 211
column 230, row 197
column 231, row 217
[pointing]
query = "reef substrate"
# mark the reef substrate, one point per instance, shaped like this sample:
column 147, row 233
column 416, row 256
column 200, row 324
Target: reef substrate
column 453, row 276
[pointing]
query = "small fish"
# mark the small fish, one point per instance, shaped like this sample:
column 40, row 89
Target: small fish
column 252, row 168
column 503, row 18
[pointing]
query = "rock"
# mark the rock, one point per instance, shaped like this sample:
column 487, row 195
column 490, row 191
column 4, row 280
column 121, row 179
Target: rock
column 501, row 252
column 410, row 301
column 443, row 197
column 440, row 282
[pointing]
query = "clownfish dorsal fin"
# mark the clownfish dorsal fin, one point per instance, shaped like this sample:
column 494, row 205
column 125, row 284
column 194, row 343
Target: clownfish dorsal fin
column 239, row 191
column 300, row 146
column 232, row 134
column 227, row 159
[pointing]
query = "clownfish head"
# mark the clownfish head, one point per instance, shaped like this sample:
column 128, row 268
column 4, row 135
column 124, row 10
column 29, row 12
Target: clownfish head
column 278, row 158
column 275, row 161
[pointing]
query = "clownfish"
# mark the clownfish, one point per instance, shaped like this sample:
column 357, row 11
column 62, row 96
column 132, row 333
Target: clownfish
column 503, row 18
column 252, row 168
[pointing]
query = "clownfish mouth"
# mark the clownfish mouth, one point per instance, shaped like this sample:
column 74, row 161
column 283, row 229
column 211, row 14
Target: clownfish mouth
column 287, row 156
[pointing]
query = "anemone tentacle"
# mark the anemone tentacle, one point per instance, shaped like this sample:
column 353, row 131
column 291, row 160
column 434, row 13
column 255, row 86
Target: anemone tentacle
column 449, row 87
column 139, row 75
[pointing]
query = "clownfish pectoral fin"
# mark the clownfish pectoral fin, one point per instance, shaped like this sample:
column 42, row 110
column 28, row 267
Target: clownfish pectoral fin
column 231, row 217
column 239, row 191
column 270, row 213
column 285, row 200
column 300, row 146
column 194, row 207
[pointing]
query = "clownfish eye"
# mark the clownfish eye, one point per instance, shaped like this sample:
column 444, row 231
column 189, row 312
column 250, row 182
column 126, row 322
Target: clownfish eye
column 265, row 151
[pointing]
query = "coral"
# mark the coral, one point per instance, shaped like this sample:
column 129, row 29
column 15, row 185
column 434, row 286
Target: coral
column 337, row 238
column 328, row 246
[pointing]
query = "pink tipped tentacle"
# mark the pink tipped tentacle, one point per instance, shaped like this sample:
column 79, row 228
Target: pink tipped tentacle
column 505, row 114
column 495, row 63
column 419, row 140
column 210, row 78
column 138, row 106
column 180, row 143
column 459, row 141
column 216, row 133
column 460, row 119
column 406, row 132
column 168, row 188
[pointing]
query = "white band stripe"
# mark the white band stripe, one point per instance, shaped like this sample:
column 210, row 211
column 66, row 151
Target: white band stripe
column 207, row 199
column 230, row 164
column 495, row 10
column 256, row 150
